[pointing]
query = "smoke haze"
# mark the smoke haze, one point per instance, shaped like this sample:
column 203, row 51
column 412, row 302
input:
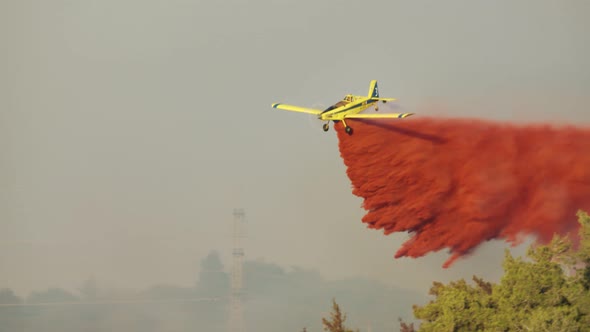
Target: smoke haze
column 129, row 130
column 274, row 299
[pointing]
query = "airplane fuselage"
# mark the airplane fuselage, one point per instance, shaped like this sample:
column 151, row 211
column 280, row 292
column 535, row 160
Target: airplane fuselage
column 349, row 105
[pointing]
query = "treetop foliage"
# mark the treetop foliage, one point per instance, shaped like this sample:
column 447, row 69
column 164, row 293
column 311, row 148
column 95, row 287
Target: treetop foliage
column 336, row 321
column 548, row 291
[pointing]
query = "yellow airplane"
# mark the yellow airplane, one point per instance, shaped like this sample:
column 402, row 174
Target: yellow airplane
column 348, row 108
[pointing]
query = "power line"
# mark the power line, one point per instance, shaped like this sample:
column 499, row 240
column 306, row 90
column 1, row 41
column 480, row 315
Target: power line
column 142, row 301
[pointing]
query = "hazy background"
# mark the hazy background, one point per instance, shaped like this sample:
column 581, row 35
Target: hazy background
column 129, row 130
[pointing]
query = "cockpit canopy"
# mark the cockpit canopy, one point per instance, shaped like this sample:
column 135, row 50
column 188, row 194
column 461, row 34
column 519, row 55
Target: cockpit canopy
column 348, row 98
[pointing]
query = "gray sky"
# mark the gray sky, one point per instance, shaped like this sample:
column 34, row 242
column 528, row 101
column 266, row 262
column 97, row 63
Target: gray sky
column 129, row 130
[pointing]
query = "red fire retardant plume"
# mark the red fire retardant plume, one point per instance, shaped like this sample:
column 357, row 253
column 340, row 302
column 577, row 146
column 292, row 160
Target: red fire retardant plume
column 456, row 183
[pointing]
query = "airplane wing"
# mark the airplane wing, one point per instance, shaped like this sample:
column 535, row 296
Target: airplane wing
column 296, row 108
column 378, row 116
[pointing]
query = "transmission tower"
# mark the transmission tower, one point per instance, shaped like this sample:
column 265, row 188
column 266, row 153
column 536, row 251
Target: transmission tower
column 236, row 318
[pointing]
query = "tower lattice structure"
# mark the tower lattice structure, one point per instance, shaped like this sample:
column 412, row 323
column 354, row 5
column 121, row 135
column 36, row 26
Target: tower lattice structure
column 236, row 321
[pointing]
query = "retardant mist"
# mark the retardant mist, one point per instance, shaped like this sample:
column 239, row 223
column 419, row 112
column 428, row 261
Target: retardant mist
column 456, row 183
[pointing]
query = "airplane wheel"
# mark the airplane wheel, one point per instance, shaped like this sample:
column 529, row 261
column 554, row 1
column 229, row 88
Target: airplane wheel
column 326, row 126
column 376, row 109
column 348, row 130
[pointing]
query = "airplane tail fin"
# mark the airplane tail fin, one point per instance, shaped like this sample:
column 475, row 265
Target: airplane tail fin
column 373, row 90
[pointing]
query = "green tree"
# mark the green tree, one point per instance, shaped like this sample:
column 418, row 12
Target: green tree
column 405, row 327
column 7, row 296
column 89, row 290
column 336, row 321
column 213, row 280
column 549, row 291
column 51, row 295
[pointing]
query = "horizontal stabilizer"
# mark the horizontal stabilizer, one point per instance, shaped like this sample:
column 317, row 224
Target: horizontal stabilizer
column 296, row 109
column 378, row 116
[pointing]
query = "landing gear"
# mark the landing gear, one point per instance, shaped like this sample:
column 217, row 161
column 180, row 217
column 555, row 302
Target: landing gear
column 347, row 129
column 377, row 107
column 326, row 126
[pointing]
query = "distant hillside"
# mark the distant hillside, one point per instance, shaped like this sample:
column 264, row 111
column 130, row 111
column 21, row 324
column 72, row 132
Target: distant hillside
column 274, row 299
